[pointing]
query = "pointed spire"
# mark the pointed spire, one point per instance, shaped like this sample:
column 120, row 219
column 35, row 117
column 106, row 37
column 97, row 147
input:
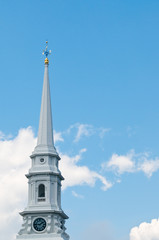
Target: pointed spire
column 45, row 142
column 45, row 135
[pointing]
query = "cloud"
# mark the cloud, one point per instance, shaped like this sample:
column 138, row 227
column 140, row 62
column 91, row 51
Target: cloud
column 14, row 158
column 121, row 163
column 15, row 152
column 146, row 231
column 3, row 136
column 149, row 166
column 131, row 163
column 77, row 195
column 75, row 174
column 83, row 130
column 86, row 130
column 58, row 137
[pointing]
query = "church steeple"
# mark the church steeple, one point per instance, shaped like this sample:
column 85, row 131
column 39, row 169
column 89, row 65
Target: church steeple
column 43, row 218
column 45, row 135
column 45, row 140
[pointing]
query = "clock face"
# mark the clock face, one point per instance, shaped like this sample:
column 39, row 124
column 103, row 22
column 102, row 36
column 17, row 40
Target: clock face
column 39, row 224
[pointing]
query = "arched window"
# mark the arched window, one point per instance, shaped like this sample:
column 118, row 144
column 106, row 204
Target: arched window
column 41, row 190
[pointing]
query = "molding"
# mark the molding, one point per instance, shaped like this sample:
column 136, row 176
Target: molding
column 39, row 211
column 28, row 175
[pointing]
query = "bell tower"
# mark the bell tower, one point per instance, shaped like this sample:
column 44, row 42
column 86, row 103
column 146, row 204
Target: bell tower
column 43, row 218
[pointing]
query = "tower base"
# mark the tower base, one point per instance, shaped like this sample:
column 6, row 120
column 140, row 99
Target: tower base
column 43, row 237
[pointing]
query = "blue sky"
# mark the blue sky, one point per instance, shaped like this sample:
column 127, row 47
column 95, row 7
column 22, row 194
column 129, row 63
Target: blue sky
column 104, row 84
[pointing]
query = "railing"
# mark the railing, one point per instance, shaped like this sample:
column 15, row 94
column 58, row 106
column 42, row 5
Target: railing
column 41, row 199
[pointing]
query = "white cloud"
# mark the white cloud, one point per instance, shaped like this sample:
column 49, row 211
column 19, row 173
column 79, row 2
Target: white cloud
column 15, row 152
column 86, row 130
column 77, row 195
column 79, row 175
column 3, row 136
column 83, row 130
column 14, row 158
column 132, row 162
column 58, row 137
column 149, row 166
column 146, row 231
column 120, row 163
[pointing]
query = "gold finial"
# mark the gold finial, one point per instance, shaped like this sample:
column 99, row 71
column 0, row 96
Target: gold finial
column 46, row 52
column 46, row 60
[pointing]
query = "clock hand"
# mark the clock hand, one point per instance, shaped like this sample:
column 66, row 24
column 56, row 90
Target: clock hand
column 41, row 225
column 38, row 224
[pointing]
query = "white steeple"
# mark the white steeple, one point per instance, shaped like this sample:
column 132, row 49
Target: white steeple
column 45, row 142
column 45, row 135
column 43, row 218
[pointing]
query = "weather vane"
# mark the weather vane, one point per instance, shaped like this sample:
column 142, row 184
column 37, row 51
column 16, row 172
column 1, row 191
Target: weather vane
column 46, row 52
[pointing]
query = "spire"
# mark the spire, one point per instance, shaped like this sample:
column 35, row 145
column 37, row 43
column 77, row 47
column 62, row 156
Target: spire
column 45, row 142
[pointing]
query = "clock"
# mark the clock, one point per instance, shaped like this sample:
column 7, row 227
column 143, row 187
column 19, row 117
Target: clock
column 39, row 224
